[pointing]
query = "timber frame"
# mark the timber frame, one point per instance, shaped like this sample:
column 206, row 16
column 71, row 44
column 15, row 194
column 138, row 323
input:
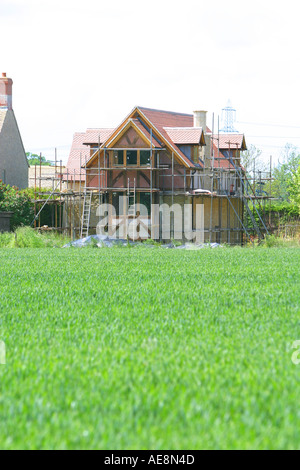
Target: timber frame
column 141, row 162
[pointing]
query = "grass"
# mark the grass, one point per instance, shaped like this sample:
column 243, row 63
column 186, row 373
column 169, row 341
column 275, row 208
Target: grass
column 149, row 349
column 26, row 237
column 272, row 241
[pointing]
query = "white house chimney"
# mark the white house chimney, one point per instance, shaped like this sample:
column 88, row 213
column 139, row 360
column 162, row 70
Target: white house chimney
column 5, row 92
column 200, row 119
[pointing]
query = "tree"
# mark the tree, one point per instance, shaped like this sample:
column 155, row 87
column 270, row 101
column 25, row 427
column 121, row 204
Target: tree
column 285, row 173
column 18, row 202
column 254, row 165
column 34, row 159
column 294, row 188
column 251, row 160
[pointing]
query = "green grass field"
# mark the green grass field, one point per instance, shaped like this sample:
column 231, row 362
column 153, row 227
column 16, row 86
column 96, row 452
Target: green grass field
column 149, row 348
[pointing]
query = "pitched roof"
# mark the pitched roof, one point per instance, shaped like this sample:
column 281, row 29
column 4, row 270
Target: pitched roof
column 235, row 141
column 170, row 128
column 79, row 152
column 162, row 119
column 93, row 135
column 184, row 135
column 146, row 133
column 80, row 149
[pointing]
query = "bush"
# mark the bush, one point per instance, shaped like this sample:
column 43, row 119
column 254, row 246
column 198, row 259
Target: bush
column 272, row 241
column 285, row 210
column 17, row 201
column 26, row 237
column 281, row 212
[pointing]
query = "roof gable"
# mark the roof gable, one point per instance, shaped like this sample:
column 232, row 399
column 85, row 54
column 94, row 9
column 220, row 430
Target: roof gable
column 160, row 119
column 130, row 141
column 233, row 141
column 9, row 127
column 153, row 122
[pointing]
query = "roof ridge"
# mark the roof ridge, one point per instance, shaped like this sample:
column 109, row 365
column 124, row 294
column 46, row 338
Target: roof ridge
column 98, row 128
column 164, row 111
column 181, row 127
column 230, row 133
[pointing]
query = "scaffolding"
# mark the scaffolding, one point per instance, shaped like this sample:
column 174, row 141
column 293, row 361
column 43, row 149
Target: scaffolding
column 227, row 190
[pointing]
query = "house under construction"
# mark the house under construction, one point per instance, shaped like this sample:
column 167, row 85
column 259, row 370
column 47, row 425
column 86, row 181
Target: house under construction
column 158, row 160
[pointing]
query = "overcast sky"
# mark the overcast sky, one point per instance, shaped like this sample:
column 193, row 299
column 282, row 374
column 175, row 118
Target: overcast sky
column 82, row 64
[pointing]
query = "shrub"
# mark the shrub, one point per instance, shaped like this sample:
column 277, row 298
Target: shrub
column 27, row 237
column 272, row 241
column 18, row 202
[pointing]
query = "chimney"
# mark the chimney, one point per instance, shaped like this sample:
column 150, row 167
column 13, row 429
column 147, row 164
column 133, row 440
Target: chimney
column 5, row 92
column 200, row 119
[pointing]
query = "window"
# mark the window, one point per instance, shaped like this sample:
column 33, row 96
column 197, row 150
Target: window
column 145, row 157
column 118, row 157
column 118, row 203
column 145, row 201
column 131, row 157
column 196, row 154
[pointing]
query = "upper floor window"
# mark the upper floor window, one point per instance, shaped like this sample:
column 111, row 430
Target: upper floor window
column 131, row 157
column 145, row 157
column 118, row 157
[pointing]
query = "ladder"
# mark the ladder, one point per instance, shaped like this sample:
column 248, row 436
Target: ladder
column 86, row 214
column 131, row 198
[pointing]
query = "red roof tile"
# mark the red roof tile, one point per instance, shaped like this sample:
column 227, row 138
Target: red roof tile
column 162, row 119
column 93, row 135
column 184, row 135
column 78, row 152
column 235, row 141
column 168, row 118
column 146, row 133
column 168, row 124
